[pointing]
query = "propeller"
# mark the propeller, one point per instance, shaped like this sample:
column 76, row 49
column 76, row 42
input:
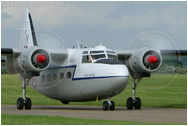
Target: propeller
column 40, row 58
column 50, row 40
column 156, row 40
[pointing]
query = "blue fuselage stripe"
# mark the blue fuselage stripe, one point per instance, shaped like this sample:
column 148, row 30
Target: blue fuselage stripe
column 84, row 78
column 100, row 77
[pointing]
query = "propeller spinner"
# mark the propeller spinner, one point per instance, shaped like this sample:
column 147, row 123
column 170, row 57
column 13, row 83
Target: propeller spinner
column 152, row 59
column 41, row 58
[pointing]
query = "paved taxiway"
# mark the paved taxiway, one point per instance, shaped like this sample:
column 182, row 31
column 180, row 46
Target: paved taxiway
column 156, row 115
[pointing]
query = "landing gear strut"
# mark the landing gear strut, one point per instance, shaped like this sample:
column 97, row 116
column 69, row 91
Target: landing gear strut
column 21, row 102
column 108, row 105
column 134, row 102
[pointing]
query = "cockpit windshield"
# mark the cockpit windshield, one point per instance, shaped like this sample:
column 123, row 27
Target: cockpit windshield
column 94, row 55
column 98, row 56
column 95, row 52
column 112, row 56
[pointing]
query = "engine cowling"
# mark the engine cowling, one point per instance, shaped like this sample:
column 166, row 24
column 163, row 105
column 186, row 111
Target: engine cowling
column 34, row 59
column 146, row 60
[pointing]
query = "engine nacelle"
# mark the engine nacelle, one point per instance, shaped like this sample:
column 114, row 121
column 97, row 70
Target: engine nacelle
column 34, row 59
column 146, row 60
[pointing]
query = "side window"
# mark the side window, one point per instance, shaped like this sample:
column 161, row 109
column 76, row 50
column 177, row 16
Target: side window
column 112, row 56
column 69, row 75
column 43, row 78
column 54, row 76
column 86, row 59
column 61, row 75
column 48, row 77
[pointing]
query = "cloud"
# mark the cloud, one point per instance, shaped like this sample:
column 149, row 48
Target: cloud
column 89, row 14
column 174, row 18
column 5, row 16
column 96, row 21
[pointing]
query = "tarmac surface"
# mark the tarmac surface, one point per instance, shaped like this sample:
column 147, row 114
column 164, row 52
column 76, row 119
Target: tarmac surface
column 151, row 115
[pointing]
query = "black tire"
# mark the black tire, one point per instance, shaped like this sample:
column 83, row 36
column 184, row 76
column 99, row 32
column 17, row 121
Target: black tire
column 28, row 104
column 112, row 106
column 65, row 102
column 105, row 106
column 137, row 104
column 130, row 103
column 20, row 103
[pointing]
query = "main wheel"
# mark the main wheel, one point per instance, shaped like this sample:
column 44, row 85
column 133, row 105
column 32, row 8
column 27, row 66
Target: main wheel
column 20, row 103
column 112, row 106
column 130, row 103
column 65, row 102
column 137, row 104
column 28, row 104
column 105, row 106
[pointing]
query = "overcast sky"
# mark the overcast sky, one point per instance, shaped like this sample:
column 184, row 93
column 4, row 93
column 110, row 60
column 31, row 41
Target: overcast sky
column 117, row 25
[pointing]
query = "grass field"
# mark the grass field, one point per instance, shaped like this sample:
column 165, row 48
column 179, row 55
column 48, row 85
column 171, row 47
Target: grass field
column 56, row 120
column 157, row 91
column 169, row 91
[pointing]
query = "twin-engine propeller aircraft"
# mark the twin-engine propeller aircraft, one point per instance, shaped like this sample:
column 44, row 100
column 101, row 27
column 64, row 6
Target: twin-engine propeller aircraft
column 77, row 75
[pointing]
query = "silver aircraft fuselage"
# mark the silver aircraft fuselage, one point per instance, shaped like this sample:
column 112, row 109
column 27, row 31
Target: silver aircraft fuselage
column 83, row 78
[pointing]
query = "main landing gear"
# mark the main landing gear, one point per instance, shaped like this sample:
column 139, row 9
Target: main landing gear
column 134, row 102
column 108, row 105
column 21, row 102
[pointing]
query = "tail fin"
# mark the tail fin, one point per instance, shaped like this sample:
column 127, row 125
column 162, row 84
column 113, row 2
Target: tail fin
column 27, row 35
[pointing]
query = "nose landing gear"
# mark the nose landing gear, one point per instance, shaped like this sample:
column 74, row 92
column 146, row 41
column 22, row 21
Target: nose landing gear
column 108, row 105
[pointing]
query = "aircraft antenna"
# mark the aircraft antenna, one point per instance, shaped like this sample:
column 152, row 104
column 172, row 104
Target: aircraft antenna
column 78, row 44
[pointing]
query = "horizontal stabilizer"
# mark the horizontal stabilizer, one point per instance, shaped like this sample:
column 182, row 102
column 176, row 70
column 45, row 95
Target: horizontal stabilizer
column 6, row 51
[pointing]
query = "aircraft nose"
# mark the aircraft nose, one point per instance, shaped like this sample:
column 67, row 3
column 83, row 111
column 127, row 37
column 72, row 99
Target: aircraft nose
column 119, row 80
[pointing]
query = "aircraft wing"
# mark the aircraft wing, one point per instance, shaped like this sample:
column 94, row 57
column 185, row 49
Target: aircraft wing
column 174, row 52
column 9, row 52
column 56, row 55
column 126, row 54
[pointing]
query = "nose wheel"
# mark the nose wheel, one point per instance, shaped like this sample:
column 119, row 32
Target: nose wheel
column 108, row 105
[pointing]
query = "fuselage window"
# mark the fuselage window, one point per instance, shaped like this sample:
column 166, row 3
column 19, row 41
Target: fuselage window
column 112, row 56
column 86, row 59
column 61, row 75
column 69, row 75
column 54, row 76
column 43, row 78
column 48, row 77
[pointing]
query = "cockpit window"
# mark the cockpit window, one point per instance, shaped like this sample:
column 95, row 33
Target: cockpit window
column 86, row 59
column 96, row 57
column 112, row 52
column 85, row 52
column 112, row 56
column 94, row 52
column 92, row 56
